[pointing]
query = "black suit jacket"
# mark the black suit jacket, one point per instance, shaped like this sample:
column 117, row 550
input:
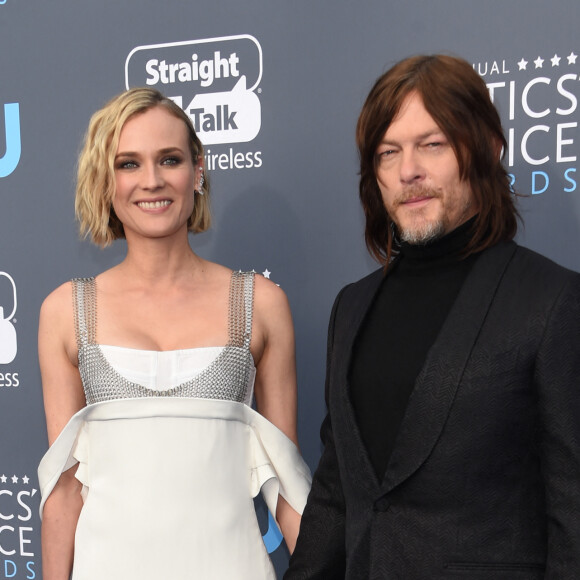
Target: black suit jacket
column 484, row 478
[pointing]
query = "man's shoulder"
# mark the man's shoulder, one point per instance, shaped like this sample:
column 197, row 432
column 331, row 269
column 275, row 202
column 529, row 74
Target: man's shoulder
column 367, row 284
column 357, row 295
column 525, row 255
column 531, row 262
column 532, row 273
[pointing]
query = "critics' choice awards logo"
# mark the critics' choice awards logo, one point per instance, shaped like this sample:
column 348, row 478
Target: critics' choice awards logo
column 537, row 97
column 215, row 81
column 18, row 501
column 11, row 157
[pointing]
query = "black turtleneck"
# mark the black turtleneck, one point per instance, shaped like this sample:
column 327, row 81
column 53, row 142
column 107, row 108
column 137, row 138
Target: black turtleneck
column 400, row 327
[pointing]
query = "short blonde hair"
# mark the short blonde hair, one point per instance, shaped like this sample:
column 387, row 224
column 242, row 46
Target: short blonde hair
column 96, row 166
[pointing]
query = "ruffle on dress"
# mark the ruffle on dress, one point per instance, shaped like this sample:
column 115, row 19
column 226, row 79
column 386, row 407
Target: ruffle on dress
column 275, row 462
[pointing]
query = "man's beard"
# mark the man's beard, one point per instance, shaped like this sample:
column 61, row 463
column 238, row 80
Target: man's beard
column 423, row 230
column 423, row 234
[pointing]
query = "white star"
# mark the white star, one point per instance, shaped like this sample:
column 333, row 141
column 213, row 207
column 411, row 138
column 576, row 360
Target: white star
column 572, row 58
column 266, row 273
column 14, row 479
column 555, row 60
column 522, row 64
column 539, row 62
column 3, row 478
column 253, row 271
column 25, row 479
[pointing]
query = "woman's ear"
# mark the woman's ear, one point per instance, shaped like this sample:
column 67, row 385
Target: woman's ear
column 199, row 175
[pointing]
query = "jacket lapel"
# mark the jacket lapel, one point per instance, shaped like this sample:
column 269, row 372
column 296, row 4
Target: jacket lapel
column 347, row 327
column 437, row 383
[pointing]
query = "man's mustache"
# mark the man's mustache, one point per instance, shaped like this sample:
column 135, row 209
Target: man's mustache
column 415, row 191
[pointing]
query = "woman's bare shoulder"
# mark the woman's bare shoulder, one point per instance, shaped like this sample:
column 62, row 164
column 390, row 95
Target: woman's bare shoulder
column 269, row 295
column 58, row 301
column 56, row 331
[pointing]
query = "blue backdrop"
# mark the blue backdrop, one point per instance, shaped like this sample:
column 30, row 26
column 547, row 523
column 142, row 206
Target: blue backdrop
column 275, row 89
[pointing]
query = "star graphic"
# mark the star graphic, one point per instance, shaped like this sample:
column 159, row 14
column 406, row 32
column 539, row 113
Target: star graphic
column 522, row 64
column 25, row 479
column 14, row 479
column 3, row 478
column 539, row 62
column 266, row 273
column 572, row 58
column 555, row 60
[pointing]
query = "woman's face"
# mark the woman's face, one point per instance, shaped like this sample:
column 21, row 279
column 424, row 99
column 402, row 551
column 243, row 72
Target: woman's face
column 155, row 177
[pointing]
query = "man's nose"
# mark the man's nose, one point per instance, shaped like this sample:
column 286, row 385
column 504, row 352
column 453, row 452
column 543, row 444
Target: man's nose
column 411, row 168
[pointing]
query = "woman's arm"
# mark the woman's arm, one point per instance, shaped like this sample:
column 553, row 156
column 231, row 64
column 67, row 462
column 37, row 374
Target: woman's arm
column 275, row 388
column 63, row 397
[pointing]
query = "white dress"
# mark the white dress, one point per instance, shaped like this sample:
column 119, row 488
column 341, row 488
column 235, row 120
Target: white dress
column 171, row 456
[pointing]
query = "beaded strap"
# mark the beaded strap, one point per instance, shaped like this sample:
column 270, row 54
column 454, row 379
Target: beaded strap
column 241, row 305
column 85, row 310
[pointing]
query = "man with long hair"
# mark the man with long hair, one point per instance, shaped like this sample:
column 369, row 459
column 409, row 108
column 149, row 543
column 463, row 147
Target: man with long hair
column 452, row 439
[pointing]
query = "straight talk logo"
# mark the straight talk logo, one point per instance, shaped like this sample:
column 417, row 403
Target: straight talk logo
column 213, row 80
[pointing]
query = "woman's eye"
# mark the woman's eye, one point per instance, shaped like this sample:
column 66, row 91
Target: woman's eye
column 127, row 165
column 171, row 161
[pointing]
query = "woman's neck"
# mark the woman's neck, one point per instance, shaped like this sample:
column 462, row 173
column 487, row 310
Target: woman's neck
column 159, row 261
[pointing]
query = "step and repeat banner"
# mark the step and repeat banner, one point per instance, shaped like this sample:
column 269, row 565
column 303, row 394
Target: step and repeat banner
column 274, row 90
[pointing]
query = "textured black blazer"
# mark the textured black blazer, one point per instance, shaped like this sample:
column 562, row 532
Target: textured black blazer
column 484, row 478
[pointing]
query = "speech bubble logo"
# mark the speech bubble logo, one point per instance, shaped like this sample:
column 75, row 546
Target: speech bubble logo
column 211, row 77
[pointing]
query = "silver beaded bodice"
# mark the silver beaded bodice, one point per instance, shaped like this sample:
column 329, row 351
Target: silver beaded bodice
column 226, row 378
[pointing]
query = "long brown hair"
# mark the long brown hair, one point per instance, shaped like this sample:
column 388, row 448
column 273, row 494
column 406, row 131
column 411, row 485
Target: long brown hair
column 458, row 100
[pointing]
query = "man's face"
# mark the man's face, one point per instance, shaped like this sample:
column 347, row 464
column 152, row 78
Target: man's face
column 418, row 176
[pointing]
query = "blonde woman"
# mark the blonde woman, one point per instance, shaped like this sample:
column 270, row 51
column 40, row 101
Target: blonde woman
column 149, row 371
